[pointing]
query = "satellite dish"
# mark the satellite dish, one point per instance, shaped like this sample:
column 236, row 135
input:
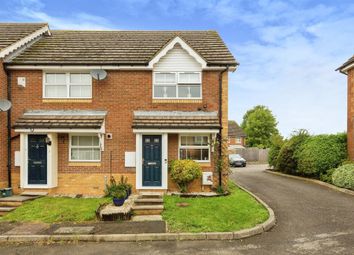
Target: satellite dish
column 5, row 105
column 99, row 74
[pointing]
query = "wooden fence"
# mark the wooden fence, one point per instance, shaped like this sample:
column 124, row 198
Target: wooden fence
column 252, row 154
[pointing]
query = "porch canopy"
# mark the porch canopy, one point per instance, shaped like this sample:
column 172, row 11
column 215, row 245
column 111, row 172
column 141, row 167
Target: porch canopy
column 61, row 121
column 172, row 121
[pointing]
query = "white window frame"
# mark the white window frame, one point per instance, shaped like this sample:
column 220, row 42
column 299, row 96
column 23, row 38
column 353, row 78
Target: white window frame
column 238, row 140
column 194, row 146
column 71, row 147
column 177, row 84
column 67, row 83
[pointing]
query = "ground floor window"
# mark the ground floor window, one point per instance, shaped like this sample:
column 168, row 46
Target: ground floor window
column 85, row 148
column 195, row 147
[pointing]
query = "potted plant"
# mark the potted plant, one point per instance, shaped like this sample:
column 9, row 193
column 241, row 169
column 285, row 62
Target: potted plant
column 119, row 197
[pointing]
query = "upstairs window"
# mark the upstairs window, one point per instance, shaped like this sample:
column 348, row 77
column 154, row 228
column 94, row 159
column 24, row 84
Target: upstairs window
column 67, row 85
column 181, row 85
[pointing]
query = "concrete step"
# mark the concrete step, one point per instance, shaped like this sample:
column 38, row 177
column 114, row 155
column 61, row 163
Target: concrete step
column 149, row 201
column 15, row 201
column 147, row 209
column 10, row 204
column 5, row 210
column 150, row 195
column 147, row 218
column 34, row 193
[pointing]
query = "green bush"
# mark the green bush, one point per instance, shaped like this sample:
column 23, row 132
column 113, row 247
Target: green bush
column 343, row 176
column 183, row 172
column 287, row 161
column 113, row 188
column 320, row 153
column 276, row 144
column 327, row 176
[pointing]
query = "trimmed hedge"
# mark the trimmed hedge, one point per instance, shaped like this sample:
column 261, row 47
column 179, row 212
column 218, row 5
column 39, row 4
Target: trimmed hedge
column 183, row 172
column 286, row 160
column 320, row 153
column 343, row 176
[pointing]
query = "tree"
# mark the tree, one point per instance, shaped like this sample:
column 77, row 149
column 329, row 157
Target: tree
column 259, row 125
column 277, row 142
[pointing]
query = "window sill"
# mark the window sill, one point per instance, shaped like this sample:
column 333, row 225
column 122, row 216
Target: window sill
column 177, row 101
column 84, row 163
column 66, row 100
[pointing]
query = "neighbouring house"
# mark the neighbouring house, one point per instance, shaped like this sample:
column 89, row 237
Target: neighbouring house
column 348, row 69
column 13, row 37
column 236, row 136
column 90, row 104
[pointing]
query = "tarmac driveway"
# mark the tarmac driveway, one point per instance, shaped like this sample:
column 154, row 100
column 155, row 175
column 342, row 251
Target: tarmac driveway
column 311, row 219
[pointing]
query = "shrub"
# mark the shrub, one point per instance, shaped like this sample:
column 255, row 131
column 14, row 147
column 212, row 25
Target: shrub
column 120, row 193
column 276, row 144
column 343, row 176
column 113, row 187
column 327, row 176
column 183, row 172
column 287, row 161
column 320, row 153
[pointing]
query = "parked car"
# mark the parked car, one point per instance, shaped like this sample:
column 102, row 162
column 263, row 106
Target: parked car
column 237, row 160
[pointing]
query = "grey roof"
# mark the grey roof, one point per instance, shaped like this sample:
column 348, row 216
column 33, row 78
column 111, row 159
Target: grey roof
column 234, row 130
column 175, row 119
column 347, row 63
column 120, row 47
column 78, row 119
column 10, row 33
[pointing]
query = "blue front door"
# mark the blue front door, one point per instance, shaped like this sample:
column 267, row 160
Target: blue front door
column 152, row 160
column 37, row 159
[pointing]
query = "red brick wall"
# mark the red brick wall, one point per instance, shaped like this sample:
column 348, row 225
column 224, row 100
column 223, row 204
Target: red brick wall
column 3, row 129
column 350, row 119
column 233, row 141
column 120, row 94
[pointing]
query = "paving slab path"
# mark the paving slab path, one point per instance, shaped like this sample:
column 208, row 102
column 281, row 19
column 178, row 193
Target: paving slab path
column 311, row 219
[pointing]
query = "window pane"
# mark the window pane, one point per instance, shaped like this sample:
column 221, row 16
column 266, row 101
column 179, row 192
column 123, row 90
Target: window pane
column 50, row 78
column 183, row 91
column 96, row 154
column 55, row 78
column 183, row 153
column 170, row 91
column 195, row 91
column 85, row 141
column 95, row 141
column 86, row 79
column 205, row 140
column 80, row 91
column 75, row 154
column 205, row 154
column 79, row 78
column 75, row 78
column 165, row 78
column 159, row 91
column 55, row 91
column 74, row 140
column 189, row 78
column 183, row 140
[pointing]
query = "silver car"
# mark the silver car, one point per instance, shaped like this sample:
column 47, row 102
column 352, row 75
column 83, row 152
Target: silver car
column 236, row 160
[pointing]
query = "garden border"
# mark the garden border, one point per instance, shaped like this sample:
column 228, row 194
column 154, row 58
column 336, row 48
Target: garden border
column 245, row 233
column 325, row 184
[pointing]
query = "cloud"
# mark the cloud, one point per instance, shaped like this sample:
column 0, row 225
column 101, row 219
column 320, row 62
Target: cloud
column 32, row 10
column 291, row 67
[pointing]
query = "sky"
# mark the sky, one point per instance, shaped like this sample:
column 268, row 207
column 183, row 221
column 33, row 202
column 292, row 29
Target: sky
column 288, row 50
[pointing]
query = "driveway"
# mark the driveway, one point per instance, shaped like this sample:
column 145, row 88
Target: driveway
column 311, row 219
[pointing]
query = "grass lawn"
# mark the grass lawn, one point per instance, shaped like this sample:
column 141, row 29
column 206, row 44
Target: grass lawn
column 56, row 209
column 237, row 211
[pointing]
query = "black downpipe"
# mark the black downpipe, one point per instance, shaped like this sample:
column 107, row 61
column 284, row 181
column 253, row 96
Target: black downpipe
column 220, row 122
column 9, row 130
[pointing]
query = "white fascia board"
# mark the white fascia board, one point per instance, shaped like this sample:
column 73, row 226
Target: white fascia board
column 175, row 131
column 59, row 130
column 345, row 69
column 184, row 45
column 23, row 41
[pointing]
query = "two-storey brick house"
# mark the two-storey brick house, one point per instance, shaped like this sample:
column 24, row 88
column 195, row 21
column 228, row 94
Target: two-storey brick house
column 164, row 97
column 348, row 69
column 236, row 136
column 13, row 37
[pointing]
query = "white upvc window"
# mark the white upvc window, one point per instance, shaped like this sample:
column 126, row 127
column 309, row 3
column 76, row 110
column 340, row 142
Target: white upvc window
column 84, row 148
column 67, row 85
column 181, row 85
column 195, row 147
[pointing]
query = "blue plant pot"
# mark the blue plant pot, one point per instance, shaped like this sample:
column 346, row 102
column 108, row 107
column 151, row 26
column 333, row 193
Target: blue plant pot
column 118, row 201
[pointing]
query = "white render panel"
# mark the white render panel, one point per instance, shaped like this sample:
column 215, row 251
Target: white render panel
column 177, row 60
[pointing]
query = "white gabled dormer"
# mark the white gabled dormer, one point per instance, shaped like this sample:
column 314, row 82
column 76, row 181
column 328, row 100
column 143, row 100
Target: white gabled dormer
column 177, row 72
